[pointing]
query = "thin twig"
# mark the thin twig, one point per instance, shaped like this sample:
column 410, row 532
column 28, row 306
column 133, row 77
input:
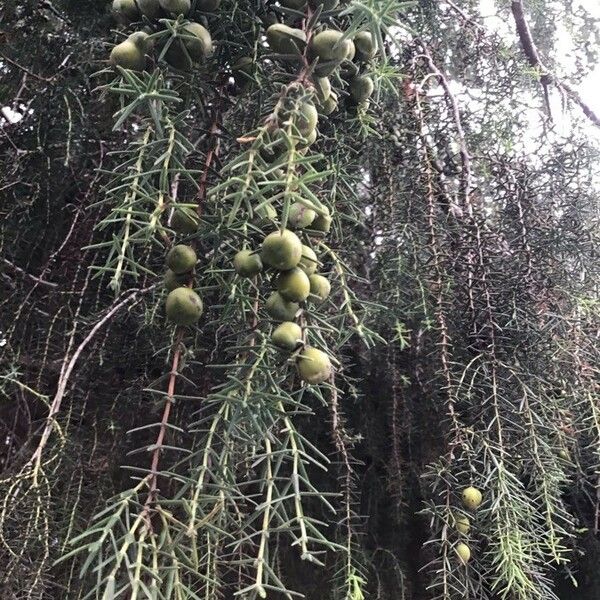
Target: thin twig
column 25, row 70
column 66, row 374
column 546, row 75
column 29, row 275
column 466, row 179
column 212, row 153
column 463, row 15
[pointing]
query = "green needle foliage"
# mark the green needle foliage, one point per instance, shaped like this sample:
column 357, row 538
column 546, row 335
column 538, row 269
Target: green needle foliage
column 453, row 211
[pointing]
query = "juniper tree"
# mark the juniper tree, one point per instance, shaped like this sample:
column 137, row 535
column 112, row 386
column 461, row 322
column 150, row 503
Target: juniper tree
column 298, row 299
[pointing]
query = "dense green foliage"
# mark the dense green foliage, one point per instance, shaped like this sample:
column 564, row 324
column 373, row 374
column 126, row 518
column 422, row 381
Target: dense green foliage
column 195, row 448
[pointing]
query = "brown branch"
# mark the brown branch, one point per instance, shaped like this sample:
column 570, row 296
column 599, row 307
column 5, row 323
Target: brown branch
column 153, row 490
column 526, row 39
column 158, row 446
column 530, row 49
column 440, row 274
column 546, row 75
column 202, row 189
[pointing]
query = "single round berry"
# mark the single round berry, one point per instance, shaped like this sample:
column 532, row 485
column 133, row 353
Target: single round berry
column 471, row 498
column 281, row 250
column 314, row 365
column 287, row 336
column 464, row 552
column 280, row 309
column 308, row 263
column 293, row 285
column 247, row 264
column 181, row 259
column 184, row 306
column 320, row 288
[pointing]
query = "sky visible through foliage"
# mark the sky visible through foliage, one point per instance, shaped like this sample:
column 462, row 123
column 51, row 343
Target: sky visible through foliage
column 566, row 51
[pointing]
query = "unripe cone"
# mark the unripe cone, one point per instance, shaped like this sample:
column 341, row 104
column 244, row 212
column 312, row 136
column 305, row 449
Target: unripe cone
column 361, row 88
column 471, row 498
column 293, row 285
column 564, row 454
column 322, row 222
column 247, row 264
column 323, row 88
column 314, row 366
column 184, row 306
column 462, row 524
column 308, row 263
column 307, row 141
column 326, row 45
column 185, row 221
column 176, row 7
column 128, row 55
column 199, row 45
column 300, row 216
column 464, row 552
column 329, row 105
column 320, row 288
column 244, row 63
column 280, row 309
column 172, row 280
column 126, row 10
column 140, row 39
column 351, row 51
column 365, row 46
column 242, row 70
column 285, row 40
column 287, row 336
column 281, row 250
column 181, row 259
column 305, row 118
column 194, row 45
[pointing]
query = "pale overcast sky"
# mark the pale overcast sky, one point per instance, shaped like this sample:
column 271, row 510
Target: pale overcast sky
column 589, row 89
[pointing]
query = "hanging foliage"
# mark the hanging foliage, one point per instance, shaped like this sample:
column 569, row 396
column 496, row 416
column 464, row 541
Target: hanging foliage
column 298, row 299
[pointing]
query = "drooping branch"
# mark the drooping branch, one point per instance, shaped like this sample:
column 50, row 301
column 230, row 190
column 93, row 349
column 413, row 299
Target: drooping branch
column 527, row 42
column 546, row 75
column 575, row 97
column 133, row 296
column 467, row 176
column 466, row 19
